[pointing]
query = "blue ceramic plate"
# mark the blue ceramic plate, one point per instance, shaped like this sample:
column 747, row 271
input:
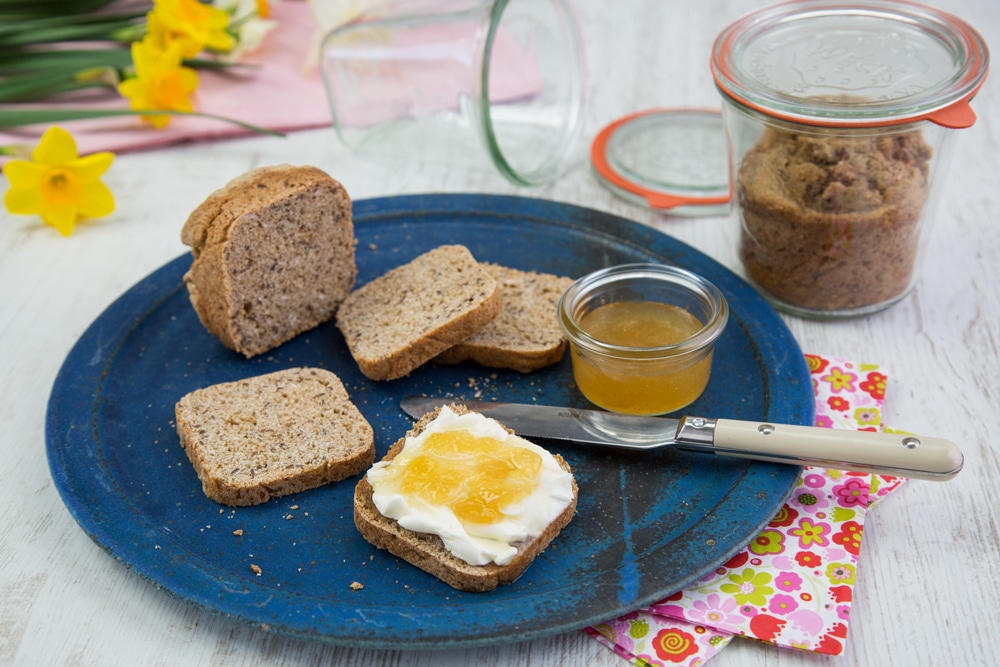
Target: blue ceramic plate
column 646, row 527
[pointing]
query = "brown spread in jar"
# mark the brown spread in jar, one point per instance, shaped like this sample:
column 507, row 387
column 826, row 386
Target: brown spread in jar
column 832, row 222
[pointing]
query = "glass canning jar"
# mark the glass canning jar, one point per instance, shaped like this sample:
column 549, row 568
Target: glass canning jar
column 839, row 119
column 454, row 81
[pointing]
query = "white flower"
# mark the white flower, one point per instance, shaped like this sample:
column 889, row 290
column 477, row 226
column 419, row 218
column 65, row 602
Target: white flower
column 249, row 28
column 330, row 14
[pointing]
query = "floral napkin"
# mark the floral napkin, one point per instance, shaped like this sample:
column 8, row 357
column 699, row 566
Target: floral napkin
column 793, row 584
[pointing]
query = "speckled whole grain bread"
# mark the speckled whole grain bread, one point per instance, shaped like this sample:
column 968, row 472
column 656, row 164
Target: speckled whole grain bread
column 273, row 256
column 526, row 335
column 272, row 435
column 429, row 553
column 410, row 314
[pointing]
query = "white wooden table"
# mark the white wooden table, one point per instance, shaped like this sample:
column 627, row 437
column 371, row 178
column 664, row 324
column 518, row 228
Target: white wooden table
column 928, row 591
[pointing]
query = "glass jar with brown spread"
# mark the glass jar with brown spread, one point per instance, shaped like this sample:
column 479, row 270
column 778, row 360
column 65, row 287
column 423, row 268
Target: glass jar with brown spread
column 839, row 118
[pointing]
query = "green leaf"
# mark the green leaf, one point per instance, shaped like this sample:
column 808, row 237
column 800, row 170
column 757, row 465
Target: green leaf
column 70, row 60
column 12, row 24
column 19, row 117
column 23, row 61
column 36, row 90
column 30, row 8
column 60, row 33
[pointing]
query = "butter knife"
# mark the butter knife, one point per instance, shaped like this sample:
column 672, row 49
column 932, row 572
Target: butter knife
column 901, row 455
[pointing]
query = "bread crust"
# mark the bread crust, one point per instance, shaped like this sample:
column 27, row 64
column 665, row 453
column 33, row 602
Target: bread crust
column 525, row 336
column 272, row 435
column 273, row 256
column 429, row 553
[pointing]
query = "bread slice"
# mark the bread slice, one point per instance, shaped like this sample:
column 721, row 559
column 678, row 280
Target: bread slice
column 272, row 435
column 273, row 256
column 429, row 553
column 410, row 314
column 526, row 335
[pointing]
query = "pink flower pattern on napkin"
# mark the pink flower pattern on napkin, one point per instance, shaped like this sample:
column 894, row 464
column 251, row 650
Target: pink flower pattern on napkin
column 793, row 584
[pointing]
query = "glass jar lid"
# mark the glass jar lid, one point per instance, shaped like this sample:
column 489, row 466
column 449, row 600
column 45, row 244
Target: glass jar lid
column 867, row 63
column 668, row 159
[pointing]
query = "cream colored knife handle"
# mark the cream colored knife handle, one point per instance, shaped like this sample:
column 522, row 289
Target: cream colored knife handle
column 896, row 454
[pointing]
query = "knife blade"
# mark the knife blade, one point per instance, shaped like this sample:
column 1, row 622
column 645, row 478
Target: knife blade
column 901, row 455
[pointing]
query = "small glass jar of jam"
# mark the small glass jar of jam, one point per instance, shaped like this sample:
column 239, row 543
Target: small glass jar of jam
column 641, row 336
column 839, row 117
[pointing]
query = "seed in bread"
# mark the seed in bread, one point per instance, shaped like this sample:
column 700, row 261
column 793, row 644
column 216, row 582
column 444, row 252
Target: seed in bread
column 476, row 534
column 526, row 335
column 272, row 435
column 409, row 315
column 273, row 256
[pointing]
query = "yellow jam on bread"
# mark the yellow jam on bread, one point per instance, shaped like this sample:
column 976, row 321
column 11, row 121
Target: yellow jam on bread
column 633, row 385
column 474, row 477
column 481, row 489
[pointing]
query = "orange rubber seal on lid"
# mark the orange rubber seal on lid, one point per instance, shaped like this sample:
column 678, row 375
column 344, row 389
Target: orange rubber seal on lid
column 656, row 199
column 956, row 114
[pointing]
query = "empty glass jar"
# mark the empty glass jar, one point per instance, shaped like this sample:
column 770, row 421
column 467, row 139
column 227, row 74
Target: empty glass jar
column 446, row 80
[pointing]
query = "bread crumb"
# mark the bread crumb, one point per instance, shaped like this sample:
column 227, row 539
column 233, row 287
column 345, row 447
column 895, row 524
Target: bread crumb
column 356, row 586
column 238, row 532
column 256, row 569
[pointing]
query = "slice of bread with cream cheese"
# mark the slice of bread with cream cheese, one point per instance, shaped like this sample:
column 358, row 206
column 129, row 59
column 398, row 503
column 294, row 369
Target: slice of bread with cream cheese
column 465, row 499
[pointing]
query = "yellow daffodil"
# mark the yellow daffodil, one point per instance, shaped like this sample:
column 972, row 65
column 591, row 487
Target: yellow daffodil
column 191, row 24
column 57, row 184
column 160, row 82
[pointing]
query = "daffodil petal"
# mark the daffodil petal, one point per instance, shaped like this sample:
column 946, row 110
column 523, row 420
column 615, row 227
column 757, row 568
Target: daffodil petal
column 24, row 174
column 158, row 121
column 96, row 200
column 23, row 201
column 190, row 79
column 90, row 167
column 220, row 41
column 61, row 217
column 136, row 92
column 55, row 148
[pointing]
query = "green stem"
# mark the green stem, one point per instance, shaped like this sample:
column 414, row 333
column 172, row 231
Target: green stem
column 49, row 7
column 10, row 118
column 14, row 25
column 40, row 85
column 68, row 33
column 69, row 60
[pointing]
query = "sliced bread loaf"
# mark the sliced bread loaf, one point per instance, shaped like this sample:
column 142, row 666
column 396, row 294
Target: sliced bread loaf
column 273, row 256
column 429, row 553
column 526, row 335
column 410, row 314
column 272, row 435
